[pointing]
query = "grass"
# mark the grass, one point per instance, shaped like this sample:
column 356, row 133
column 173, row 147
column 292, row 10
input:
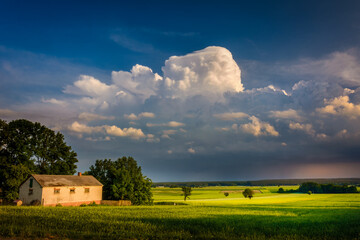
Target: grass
column 208, row 215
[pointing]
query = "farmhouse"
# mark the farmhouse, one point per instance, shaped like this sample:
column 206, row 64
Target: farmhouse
column 67, row 190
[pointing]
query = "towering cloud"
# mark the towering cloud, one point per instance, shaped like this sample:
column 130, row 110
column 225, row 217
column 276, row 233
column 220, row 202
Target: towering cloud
column 208, row 72
column 140, row 82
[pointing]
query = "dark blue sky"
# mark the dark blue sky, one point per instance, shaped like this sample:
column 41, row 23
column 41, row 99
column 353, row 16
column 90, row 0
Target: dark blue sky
column 83, row 67
column 260, row 30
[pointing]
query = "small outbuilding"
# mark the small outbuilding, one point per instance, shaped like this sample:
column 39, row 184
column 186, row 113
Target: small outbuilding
column 67, row 190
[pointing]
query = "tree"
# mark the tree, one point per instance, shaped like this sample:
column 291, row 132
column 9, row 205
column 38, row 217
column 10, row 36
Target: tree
column 310, row 186
column 122, row 180
column 226, row 194
column 186, row 192
column 248, row 193
column 281, row 190
column 26, row 148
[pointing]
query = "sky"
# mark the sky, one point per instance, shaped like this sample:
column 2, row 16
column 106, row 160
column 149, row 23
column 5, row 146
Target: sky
column 193, row 90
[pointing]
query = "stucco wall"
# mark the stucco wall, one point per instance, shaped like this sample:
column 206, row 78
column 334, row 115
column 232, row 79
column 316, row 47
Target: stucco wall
column 24, row 195
column 66, row 198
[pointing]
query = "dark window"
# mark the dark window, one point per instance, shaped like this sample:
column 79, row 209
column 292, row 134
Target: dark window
column 72, row 190
column 31, row 182
column 56, row 190
column 31, row 191
column 87, row 190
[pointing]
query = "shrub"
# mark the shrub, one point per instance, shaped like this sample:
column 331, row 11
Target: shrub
column 226, row 194
column 83, row 205
column 35, row 203
column 281, row 190
column 92, row 204
column 309, row 192
column 58, row 205
column 248, row 193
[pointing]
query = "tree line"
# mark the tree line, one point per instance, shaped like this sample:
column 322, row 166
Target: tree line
column 271, row 182
column 313, row 187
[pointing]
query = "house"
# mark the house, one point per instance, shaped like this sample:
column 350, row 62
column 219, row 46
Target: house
column 67, row 190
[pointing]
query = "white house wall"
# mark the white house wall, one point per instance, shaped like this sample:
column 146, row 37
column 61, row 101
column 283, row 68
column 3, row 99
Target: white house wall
column 24, row 195
column 66, row 198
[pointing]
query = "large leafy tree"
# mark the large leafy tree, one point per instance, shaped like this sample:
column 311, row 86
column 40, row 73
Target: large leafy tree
column 122, row 180
column 27, row 147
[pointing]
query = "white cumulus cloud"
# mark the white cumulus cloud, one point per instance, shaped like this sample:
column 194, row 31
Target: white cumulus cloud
column 191, row 150
column 231, row 116
column 340, row 106
column 88, row 117
column 208, row 72
column 113, row 130
column 259, row 128
column 140, row 82
column 307, row 128
column 168, row 124
column 286, row 114
column 90, row 86
column 133, row 116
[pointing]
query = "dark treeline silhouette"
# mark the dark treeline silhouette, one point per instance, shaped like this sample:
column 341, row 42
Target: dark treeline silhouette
column 313, row 187
column 272, row 182
column 326, row 188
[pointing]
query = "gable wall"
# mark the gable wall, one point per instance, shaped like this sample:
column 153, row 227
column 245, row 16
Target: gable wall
column 24, row 195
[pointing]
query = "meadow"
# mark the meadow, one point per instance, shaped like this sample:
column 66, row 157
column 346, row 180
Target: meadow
column 208, row 214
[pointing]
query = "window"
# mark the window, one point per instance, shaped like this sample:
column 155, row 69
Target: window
column 31, row 191
column 72, row 190
column 56, row 190
column 87, row 190
column 31, row 182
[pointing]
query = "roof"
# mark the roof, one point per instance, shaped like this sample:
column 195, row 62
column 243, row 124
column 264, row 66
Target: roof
column 65, row 180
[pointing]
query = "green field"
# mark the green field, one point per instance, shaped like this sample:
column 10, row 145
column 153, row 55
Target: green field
column 207, row 215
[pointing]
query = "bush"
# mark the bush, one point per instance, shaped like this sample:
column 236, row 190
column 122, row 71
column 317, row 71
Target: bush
column 226, row 194
column 309, row 192
column 248, row 193
column 281, row 190
column 83, row 205
column 35, row 203
column 92, row 204
column 58, row 205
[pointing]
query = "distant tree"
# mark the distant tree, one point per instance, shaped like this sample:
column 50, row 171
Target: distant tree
column 186, row 192
column 226, row 194
column 281, row 190
column 248, row 193
column 310, row 186
column 27, row 147
column 309, row 192
column 122, row 180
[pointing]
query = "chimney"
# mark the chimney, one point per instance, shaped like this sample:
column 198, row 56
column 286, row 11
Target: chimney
column 79, row 174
